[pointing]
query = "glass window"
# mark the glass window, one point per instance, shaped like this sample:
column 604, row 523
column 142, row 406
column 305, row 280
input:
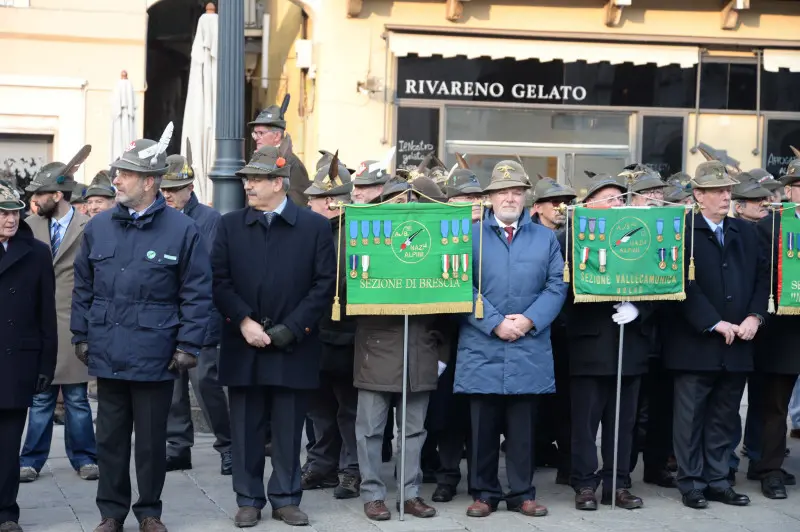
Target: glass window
column 662, row 143
column 742, row 86
column 417, row 135
column 779, row 91
column 781, row 134
column 598, row 164
column 538, row 126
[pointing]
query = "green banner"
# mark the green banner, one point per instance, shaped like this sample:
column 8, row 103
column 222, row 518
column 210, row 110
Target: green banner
column 788, row 262
column 411, row 258
column 628, row 254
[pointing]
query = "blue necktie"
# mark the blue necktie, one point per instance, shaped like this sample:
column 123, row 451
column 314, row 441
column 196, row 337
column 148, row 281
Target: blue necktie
column 135, row 215
column 55, row 238
column 718, row 233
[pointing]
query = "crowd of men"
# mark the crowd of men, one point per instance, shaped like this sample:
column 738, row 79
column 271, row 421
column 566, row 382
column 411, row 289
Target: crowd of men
column 133, row 282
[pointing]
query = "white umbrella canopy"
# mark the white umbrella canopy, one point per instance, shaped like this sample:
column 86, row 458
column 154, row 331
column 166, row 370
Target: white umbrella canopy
column 199, row 117
column 123, row 116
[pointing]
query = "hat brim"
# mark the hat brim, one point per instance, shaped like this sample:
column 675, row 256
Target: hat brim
column 249, row 170
column 280, row 124
column 176, row 183
column 121, row 164
column 466, row 191
column 788, row 179
column 618, row 186
column 727, row 181
column 503, row 185
column 366, row 182
column 99, row 192
column 648, row 186
column 16, row 205
column 771, row 184
column 569, row 195
column 315, row 192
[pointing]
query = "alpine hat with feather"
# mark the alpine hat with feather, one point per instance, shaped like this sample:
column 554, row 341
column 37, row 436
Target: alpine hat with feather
column 145, row 156
column 331, row 181
column 58, row 177
column 508, row 174
column 179, row 169
column 273, row 115
column 268, row 162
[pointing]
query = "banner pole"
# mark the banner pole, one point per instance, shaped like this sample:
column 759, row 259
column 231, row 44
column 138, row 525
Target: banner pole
column 616, row 419
column 404, row 403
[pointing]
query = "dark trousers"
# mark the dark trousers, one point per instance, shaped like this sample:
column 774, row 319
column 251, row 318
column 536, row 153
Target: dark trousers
column 594, row 400
column 489, row 416
column 777, row 392
column 705, row 403
column 555, row 411
column 252, row 408
column 211, row 398
column 656, row 391
column 333, row 414
column 12, row 424
column 125, row 407
column 447, row 423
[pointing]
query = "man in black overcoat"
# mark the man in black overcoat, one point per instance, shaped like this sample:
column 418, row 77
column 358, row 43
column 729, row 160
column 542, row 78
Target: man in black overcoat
column 593, row 346
column 28, row 339
column 274, row 274
column 778, row 361
column 708, row 343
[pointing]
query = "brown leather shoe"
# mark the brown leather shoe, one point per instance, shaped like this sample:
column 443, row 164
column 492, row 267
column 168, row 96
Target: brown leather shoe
column 417, row 508
column 585, row 499
column 151, row 524
column 247, row 516
column 530, row 508
column 480, row 508
column 109, row 525
column 377, row 511
column 291, row 515
column 625, row 500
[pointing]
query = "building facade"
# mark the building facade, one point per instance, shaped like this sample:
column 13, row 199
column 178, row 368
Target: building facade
column 566, row 87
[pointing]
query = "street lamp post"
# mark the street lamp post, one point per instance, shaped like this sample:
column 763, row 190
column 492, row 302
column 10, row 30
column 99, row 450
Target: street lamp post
column 228, row 191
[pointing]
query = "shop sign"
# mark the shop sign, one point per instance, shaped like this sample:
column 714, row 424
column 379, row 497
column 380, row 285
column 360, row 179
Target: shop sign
column 436, row 88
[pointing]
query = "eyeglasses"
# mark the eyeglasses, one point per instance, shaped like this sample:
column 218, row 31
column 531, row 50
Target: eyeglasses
column 271, row 131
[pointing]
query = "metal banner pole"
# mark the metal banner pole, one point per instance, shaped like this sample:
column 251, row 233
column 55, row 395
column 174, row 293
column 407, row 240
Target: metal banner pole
column 616, row 419
column 404, row 403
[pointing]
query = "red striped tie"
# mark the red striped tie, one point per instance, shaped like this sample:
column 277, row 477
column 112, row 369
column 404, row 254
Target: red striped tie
column 509, row 233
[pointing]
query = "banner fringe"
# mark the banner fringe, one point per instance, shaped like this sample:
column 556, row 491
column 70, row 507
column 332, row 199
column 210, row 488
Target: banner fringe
column 677, row 296
column 788, row 311
column 411, row 309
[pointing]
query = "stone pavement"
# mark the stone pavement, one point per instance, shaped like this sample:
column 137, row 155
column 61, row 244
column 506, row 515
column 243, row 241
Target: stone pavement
column 201, row 500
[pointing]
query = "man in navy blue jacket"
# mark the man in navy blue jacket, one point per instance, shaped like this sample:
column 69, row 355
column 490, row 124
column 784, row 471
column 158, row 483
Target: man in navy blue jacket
column 140, row 309
column 178, row 189
column 274, row 268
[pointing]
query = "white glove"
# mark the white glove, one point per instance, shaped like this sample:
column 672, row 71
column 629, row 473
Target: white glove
column 442, row 367
column 626, row 313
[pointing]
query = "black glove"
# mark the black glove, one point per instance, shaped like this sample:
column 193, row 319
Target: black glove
column 182, row 361
column 42, row 383
column 82, row 352
column 280, row 335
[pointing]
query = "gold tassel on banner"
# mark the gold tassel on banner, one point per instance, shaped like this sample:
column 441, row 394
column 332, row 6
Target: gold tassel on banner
column 690, row 276
column 566, row 245
column 336, row 311
column 479, row 299
column 771, row 303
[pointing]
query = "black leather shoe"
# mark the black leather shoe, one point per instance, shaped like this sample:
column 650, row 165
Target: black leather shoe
column 695, row 499
column 662, row 478
column 179, row 463
column 443, row 493
column 624, row 499
column 773, row 487
column 788, row 478
column 226, row 464
column 727, row 496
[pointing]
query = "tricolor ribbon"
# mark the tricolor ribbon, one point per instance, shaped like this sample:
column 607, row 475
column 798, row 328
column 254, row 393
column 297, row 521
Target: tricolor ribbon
column 584, row 258
column 445, row 266
column 674, row 257
column 464, row 266
column 601, row 256
column 455, row 263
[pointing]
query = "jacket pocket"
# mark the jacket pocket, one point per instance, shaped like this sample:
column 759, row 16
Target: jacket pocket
column 97, row 314
column 102, row 251
column 150, row 318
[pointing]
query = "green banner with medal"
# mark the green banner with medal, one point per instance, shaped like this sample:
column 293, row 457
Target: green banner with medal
column 411, row 258
column 788, row 262
column 628, row 254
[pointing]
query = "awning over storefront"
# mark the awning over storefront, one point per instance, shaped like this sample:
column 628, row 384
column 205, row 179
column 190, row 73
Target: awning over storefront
column 777, row 59
column 403, row 44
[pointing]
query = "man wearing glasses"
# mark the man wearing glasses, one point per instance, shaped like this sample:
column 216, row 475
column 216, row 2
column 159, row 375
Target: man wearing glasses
column 269, row 129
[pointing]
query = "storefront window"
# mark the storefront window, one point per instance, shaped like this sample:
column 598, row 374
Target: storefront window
column 662, row 143
column 781, row 134
column 779, row 91
column 536, row 126
column 417, row 135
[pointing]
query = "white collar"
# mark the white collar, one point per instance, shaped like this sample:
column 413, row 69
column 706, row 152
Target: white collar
column 140, row 213
column 502, row 224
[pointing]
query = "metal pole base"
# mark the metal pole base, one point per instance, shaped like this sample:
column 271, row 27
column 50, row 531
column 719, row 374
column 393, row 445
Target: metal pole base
column 228, row 190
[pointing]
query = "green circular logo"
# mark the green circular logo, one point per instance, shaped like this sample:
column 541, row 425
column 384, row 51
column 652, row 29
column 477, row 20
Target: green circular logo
column 411, row 242
column 151, row 254
column 630, row 238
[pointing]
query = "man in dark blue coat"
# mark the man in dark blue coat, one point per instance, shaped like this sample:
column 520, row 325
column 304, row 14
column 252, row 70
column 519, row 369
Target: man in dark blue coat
column 140, row 309
column 178, row 189
column 28, row 339
column 274, row 269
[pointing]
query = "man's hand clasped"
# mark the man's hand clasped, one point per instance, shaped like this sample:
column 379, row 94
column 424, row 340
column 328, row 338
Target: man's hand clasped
column 513, row 327
column 254, row 333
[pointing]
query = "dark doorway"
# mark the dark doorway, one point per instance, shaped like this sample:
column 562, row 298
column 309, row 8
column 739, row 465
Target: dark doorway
column 170, row 32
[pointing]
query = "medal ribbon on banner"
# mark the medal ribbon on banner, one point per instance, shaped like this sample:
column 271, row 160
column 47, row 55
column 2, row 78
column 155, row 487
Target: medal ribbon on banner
column 788, row 262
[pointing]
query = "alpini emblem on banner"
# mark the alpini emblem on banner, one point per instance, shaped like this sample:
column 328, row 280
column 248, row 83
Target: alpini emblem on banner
column 411, row 242
column 630, row 238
